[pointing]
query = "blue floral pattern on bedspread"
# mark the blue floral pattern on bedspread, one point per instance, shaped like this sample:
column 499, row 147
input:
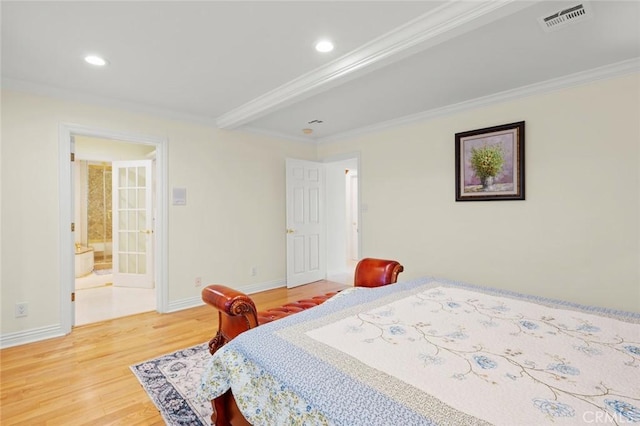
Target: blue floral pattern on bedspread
column 261, row 399
column 436, row 352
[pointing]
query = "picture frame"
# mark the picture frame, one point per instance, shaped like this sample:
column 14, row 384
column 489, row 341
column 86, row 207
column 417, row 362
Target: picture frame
column 490, row 163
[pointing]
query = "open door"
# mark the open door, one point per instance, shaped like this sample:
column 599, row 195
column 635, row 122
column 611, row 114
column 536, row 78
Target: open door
column 72, row 175
column 306, row 238
column 132, row 223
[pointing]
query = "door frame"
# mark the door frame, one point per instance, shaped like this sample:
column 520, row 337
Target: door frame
column 65, row 185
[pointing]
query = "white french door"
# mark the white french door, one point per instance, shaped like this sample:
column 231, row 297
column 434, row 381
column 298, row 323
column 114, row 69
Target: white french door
column 132, row 191
column 306, row 257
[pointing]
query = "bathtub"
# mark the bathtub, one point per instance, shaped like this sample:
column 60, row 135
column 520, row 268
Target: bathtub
column 84, row 260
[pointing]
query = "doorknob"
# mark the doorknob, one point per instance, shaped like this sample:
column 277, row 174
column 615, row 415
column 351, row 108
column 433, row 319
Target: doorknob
column 290, row 231
column 146, row 231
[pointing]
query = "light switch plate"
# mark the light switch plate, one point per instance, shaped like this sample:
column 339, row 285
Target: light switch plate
column 179, row 196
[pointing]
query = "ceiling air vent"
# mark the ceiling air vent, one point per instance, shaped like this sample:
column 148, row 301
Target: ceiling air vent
column 562, row 18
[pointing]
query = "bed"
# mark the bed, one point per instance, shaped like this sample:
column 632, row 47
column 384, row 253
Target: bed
column 432, row 351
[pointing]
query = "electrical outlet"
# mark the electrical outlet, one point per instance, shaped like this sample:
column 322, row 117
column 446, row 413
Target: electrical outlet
column 198, row 281
column 253, row 271
column 22, row 310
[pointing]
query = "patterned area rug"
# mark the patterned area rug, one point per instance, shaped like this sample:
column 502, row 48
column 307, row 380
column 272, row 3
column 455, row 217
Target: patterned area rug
column 172, row 382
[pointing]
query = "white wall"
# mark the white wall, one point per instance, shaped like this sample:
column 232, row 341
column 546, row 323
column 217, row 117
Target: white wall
column 234, row 217
column 575, row 237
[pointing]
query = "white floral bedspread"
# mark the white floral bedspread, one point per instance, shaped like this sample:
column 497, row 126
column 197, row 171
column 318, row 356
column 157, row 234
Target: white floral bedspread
column 436, row 352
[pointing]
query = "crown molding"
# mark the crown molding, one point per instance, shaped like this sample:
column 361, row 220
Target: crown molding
column 580, row 78
column 433, row 27
column 74, row 96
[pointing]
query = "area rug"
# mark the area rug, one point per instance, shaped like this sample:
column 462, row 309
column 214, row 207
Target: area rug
column 172, row 382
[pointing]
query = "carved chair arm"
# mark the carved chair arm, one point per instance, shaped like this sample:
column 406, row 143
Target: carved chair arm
column 236, row 313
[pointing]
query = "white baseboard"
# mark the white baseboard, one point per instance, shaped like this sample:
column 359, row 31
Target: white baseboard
column 30, row 336
column 339, row 272
column 192, row 302
column 268, row 285
column 180, row 305
column 42, row 333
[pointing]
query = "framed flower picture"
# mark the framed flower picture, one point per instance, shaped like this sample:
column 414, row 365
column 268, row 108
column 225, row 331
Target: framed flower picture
column 490, row 163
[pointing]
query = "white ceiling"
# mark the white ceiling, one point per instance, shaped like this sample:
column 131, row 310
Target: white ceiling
column 251, row 65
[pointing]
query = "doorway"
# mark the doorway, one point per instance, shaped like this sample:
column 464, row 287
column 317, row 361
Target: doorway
column 100, row 294
column 343, row 218
column 101, row 148
column 332, row 206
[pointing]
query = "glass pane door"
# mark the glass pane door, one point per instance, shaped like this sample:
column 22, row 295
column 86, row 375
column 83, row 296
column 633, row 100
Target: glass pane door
column 133, row 223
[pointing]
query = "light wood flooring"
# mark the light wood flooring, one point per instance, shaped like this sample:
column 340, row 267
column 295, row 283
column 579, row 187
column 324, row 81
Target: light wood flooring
column 84, row 378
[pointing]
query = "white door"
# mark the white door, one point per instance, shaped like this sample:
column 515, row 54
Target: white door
column 132, row 223
column 305, row 222
column 352, row 207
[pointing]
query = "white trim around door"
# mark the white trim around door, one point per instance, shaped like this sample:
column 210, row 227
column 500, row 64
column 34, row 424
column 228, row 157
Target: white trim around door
column 67, row 275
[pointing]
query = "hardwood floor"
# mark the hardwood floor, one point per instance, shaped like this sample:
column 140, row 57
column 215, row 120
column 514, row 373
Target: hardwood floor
column 84, row 377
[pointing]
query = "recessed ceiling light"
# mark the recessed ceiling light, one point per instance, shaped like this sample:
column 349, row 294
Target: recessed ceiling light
column 324, row 46
column 95, row 60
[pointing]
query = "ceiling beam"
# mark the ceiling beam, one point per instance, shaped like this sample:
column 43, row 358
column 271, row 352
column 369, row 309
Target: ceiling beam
column 436, row 26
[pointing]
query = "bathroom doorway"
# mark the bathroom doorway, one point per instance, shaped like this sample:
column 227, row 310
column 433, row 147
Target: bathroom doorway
column 96, row 296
